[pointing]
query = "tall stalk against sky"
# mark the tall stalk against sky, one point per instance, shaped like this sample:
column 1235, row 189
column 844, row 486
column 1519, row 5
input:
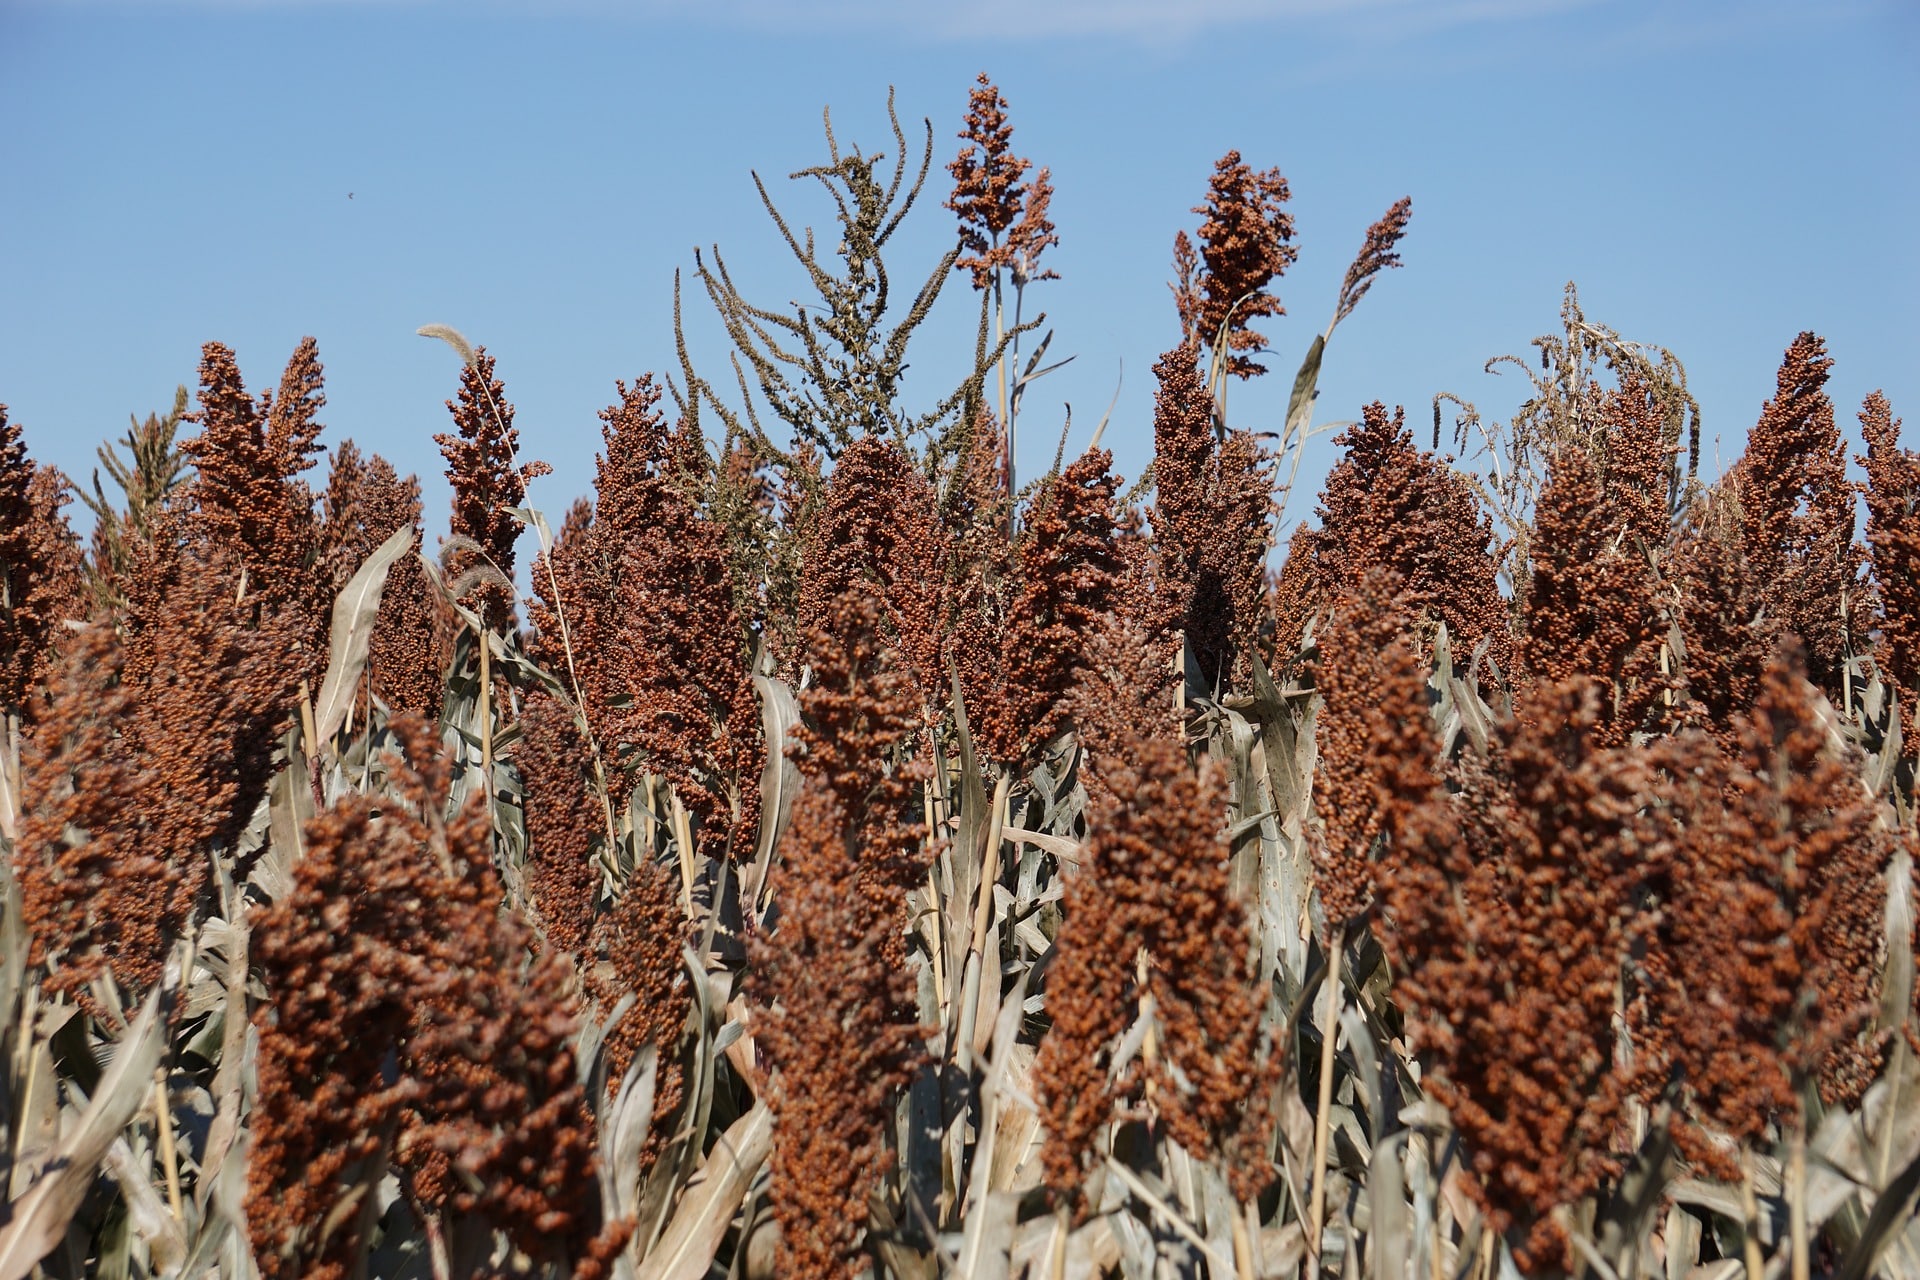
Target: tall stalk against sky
column 1004, row 228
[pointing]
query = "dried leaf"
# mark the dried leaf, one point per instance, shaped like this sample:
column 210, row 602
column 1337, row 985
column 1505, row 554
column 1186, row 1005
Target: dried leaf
column 686, row 1249
column 354, row 612
column 38, row 1219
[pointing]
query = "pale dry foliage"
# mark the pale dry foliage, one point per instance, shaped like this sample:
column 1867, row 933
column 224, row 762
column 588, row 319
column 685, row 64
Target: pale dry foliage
column 864, row 866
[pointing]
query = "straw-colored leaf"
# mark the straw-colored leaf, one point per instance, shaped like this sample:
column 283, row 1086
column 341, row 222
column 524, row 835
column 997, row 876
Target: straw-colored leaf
column 452, row 337
column 1300, row 403
column 354, row 613
column 146, row 1211
column 780, row 778
column 686, row 1249
column 38, row 1219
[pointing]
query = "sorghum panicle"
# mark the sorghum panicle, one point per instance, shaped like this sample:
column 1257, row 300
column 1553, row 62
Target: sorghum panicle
column 42, row 582
column 483, row 466
column 1155, row 881
column 1245, row 244
column 1389, row 505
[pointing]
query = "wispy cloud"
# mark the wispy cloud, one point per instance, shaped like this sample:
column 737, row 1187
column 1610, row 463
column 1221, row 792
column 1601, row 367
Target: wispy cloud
column 942, row 20
column 1016, row 20
column 1164, row 21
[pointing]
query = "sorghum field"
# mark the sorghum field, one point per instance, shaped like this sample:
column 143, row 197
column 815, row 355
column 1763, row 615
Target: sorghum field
column 855, row 858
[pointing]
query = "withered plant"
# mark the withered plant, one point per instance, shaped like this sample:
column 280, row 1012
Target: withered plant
column 869, row 866
column 833, row 372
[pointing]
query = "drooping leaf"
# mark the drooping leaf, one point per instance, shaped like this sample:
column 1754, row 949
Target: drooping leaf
column 354, row 614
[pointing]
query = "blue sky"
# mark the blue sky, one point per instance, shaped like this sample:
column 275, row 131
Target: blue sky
column 1715, row 175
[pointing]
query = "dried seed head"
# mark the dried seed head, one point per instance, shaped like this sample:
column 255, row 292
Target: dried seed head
column 1377, row 254
column 1003, row 220
column 1245, row 244
column 574, row 626
column 1017, row 675
column 1590, row 611
column 1388, row 505
column 879, row 523
column 42, row 584
column 1893, row 536
column 1213, row 514
column 246, row 499
column 95, row 891
column 644, row 937
column 1773, row 897
column 405, row 1020
column 679, row 648
column 1796, row 512
column 412, row 641
column 215, row 679
column 1155, row 882
column 1727, row 635
column 488, row 478
column 1509, row 904
column 840, row 1031
column 1377, row 751
column 565, row 822
column 1296, row 594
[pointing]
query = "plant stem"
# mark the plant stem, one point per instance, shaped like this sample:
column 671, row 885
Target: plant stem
column 1750, row 1207
column 1057, row 1247
column 1329, row 1036
column 1797, row 1197
column 982, row 916
column 486, row 716
column 683, row 837
column 169, row 1155
column 307, row 729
